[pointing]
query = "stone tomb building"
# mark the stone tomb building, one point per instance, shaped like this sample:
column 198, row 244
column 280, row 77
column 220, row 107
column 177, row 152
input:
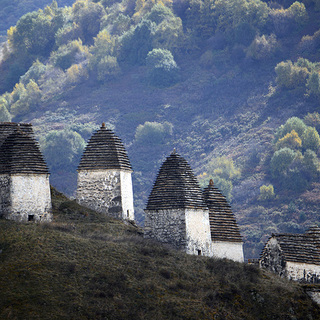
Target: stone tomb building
column 225, row 234
column 179, row 213
column 295, row 256
column 104, row 176
column 24, row 176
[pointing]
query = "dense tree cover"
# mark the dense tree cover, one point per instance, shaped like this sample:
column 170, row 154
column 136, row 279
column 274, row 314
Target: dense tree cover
column 62, row 149
column 295, row 163
column 102, row 38
column 12, row 10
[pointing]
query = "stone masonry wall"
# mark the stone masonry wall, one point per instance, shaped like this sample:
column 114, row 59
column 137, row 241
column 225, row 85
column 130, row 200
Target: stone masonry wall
column 272, row 258
column 228, row 250
column 100, row 190
column 30, row 198
column 166, row 226
column 5, row 200
column 198, row 232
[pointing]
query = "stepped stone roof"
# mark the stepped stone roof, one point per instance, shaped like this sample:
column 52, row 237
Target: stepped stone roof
column 175, row 187
column 303, row 248
column 20, row 153
column 223, row 224
column 6, row 128
column 104, row 151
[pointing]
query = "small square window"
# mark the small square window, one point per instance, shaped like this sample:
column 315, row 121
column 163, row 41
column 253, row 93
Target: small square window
column 30, row 217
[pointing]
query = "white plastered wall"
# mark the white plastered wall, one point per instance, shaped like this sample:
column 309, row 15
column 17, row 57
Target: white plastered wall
column 127, row 195
column 30, row 196
column 198, row 232
column 228, row 250
column 302, row 271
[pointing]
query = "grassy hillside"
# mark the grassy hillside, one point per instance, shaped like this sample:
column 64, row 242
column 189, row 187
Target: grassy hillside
column 84, row 266
column 215, row 79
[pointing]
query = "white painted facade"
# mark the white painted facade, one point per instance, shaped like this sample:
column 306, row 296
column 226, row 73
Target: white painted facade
column 228, row 250
column 302, row 271
column 108, row 191
column 28, row 197
column 198, row 232
column 126, row 195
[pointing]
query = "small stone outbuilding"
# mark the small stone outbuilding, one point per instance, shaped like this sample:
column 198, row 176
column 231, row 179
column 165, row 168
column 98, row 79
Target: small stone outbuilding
column 104, row 176
column 24, row 176
column 225, row 234
column 180, row 214
column 295, row 256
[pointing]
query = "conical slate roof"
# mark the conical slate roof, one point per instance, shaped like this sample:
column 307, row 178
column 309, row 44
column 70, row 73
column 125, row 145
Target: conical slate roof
column 296, row 248
column 20, row 153
column 6, row 128
column 175, row 187
column 104, row 151
column 223, row 225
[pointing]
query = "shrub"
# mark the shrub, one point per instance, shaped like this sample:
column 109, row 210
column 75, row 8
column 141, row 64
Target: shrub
column 298, row 11
column 285, row 21
column 311, row 165
column 280, row 161
column 34, row 32
column 121, row 24
column 68, row 33
column 290, row 140
column 102, row 61
column 162, row 69
column 169, row 34
column 312, row 120
column 153, row 132
column 136, row 43
column 159, row 13
column 290, row 76
column 62, row 149
column 262, row 47
column 313, row 83
column 293, row 123
column 5, row 115
column 76, row 73
column 266, row 192
column 231, row 13
column 66, row 55
column 88, row 16
column 311, row 139
column 34, row 73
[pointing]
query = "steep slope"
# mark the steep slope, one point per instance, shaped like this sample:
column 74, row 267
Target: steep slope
column 84, row 266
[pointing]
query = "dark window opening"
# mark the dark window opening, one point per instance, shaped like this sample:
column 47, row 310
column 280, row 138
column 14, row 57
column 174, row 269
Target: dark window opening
column 128, row 213
column 30, row 217
column 199, row 252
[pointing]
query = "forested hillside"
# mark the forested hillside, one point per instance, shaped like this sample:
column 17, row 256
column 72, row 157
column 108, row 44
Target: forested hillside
column 233, row 85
